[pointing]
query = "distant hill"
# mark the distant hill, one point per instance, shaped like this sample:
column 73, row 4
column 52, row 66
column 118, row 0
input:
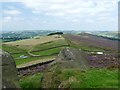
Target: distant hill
column 93, row 40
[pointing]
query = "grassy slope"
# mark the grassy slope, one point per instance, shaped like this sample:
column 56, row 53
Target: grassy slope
column 34, row 42
column 100, row 78
column 84, row 47
column 70, row 78
column 33, row 81
column 48, row 52
column 91, row 43
column 74, row 78
column 25, row 60
column 48, row 45
column 12, row 49
column 17, row 51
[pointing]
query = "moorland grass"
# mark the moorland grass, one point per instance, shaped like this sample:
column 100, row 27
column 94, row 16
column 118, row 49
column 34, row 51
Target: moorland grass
column 74, row 78
column 84, row 47
column 31, row 82
column 92, row 78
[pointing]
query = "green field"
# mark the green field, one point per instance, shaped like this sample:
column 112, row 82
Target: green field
column 45, row 49
column 48, row 45
column 12, row 49
column 30, row 59
column 48, row 52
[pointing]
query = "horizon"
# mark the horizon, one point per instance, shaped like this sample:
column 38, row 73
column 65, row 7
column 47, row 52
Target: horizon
column 83, row 15
column 62, row 30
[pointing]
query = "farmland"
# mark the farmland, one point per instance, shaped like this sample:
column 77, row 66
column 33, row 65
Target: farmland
column 36, row 58
column 42, row 47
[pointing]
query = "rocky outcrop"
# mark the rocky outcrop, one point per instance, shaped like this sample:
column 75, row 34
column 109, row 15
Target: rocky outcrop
column 72, row 58
column 68, row 58
column 9, row 71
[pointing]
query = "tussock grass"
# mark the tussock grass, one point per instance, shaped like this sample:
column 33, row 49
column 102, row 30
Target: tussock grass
column 74, row 78
column 33, row 81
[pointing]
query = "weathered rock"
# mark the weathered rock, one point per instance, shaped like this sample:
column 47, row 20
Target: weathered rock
column 9, row 71
column 72, row 58
column 68, row 58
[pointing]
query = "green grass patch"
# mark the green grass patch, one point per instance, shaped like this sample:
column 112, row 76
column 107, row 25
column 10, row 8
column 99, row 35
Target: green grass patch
column 92, row 78
column 48, row 52
column 17, row 56
column 29, row 59
column 100, row 78
column 0, row 45
column 12, row 49
column 33, row 81
column 25, row 60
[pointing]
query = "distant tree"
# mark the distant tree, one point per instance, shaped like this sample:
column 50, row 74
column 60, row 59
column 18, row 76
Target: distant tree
column 56, row 33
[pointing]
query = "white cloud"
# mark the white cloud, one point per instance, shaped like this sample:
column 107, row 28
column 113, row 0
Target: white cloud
column 70, row 7
column 70, row 11
column 10, row 19
column 55, row 14
column 90, row 21
column 107, row 19
column 7, row 18
column 11, row 12
column 75, row 20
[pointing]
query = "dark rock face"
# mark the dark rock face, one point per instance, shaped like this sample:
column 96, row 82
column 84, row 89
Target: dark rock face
column 72, row 58
column 9, row 71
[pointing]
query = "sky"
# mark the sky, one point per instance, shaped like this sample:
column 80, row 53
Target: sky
column 90, row 15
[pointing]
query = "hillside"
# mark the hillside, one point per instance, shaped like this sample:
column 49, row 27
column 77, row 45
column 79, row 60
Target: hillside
column 86, row 39
column 41, row 48
column 65, row 61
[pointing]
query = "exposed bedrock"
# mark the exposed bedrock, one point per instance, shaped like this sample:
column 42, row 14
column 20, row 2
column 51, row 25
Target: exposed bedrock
column 9, row 71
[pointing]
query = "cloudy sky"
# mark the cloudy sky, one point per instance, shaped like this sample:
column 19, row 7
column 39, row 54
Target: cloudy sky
column 59, row 15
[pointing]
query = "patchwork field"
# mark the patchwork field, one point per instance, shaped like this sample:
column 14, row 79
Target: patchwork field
column 40, row 48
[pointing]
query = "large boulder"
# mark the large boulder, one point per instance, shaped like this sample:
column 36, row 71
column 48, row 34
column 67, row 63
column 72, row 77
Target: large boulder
column 69, row 59
column 9, row 71
column 72, row 58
